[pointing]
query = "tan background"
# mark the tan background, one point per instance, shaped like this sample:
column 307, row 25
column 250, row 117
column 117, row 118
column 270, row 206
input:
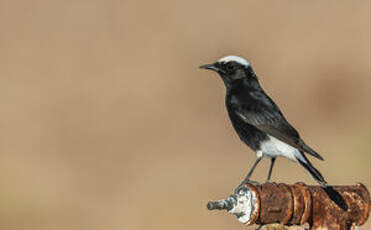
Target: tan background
column 107, row 122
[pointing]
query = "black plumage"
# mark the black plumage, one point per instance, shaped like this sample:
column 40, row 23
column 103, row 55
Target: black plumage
column 257, row 119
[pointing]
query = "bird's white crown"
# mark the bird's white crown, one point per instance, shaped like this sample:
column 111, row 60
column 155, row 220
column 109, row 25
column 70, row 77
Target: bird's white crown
column 237, row 59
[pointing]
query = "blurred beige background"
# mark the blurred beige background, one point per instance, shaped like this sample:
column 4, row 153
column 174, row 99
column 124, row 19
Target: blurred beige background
column 107, row 122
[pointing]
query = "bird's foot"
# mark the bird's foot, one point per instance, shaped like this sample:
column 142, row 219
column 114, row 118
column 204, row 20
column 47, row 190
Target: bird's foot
column 243, row 185
column 270, row 182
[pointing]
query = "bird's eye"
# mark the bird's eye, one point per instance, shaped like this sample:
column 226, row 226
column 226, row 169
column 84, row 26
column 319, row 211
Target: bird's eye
column 230, row 67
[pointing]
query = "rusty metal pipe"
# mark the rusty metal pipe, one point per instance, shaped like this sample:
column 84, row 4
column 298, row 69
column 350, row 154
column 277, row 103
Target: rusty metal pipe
column 336, row 207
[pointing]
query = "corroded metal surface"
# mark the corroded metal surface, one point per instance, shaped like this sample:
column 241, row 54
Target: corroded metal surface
column 326, row 213
column 276, row 204
column 333, row 207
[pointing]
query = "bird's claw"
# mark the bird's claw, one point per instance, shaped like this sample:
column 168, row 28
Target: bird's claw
column 270, row 182
column 243, row 185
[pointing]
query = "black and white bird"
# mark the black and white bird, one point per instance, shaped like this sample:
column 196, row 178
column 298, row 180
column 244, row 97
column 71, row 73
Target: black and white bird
column 257, row 119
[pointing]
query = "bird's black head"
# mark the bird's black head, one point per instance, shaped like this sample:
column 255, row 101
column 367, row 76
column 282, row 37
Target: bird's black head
column 232, row 69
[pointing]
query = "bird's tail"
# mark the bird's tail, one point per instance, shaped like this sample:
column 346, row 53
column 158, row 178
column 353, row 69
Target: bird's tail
column 333, row 194
column 312, row 170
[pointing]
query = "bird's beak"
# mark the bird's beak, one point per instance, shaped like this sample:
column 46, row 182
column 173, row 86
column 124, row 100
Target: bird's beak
column 210, row 67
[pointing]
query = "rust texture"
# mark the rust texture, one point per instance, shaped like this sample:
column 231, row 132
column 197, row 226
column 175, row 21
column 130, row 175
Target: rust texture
column 339, row 208
column 333, row 207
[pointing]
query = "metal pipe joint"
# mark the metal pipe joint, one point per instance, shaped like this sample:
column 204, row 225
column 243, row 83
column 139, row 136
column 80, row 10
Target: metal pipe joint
column 332, row 207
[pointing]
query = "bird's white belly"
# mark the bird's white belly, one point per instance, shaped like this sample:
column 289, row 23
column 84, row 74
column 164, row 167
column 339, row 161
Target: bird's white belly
column 275, row 148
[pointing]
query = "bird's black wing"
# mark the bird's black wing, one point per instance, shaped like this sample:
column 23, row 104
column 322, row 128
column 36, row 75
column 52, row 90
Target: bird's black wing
column 265, row 115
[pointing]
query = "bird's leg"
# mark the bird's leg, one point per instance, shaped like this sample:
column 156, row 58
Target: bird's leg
column 252, row 169
column 273, row 159
column 247, row 178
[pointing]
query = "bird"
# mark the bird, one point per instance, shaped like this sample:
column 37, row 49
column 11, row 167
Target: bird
column 257, row 119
